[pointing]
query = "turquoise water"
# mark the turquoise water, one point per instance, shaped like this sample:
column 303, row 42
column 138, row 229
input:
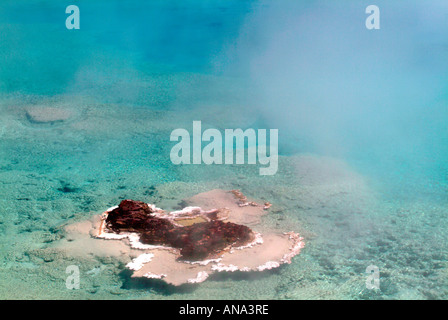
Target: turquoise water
column 362, row 115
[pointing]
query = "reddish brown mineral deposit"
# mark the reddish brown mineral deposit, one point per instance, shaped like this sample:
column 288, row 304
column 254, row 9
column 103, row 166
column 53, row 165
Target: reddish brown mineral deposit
column 196, row 241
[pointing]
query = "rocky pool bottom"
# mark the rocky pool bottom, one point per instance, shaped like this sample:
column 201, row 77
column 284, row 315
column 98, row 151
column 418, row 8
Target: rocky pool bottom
column 56, row 173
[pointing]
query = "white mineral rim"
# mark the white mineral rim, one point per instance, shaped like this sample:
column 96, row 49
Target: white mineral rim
column 201, row 277
column 204, row 262
column 268, row 266
column 150, row 275
column 138, row 262
column 258, row 239
column 222, row 267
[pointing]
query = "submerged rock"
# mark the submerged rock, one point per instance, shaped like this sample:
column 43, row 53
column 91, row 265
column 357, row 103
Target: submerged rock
column 49, row 115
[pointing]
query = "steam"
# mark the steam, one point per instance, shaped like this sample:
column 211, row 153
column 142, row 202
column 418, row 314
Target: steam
column 333, row 87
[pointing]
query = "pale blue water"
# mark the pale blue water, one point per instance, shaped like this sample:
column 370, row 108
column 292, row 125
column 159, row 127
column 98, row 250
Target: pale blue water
column 374, row 100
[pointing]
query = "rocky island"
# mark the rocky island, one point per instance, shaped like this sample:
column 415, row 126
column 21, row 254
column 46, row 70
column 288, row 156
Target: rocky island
column 215, row 232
